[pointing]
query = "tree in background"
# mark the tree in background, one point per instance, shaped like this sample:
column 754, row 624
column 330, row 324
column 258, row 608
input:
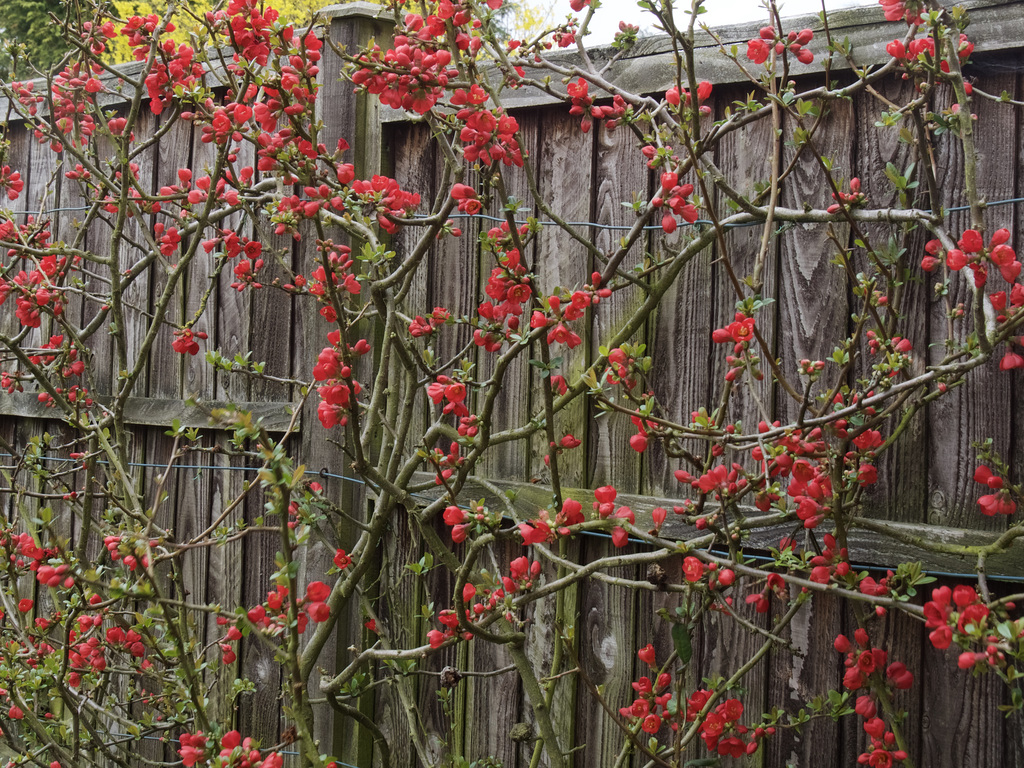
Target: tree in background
column 30, row 28
column 30, row 23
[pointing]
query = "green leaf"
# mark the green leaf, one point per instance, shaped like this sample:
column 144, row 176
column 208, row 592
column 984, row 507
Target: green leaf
column 681, row 640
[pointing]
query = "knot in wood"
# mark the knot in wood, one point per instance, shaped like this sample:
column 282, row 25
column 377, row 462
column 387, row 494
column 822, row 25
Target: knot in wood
column 521, row 732
column 450, row 677
column 656, row 575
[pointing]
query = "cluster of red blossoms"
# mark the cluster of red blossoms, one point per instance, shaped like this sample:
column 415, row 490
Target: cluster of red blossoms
column 740, row 332
column 720, row 728
column 583, row 104
column 967, row 613
column 11, row 182
column 488, row 136
column 974, row 254
column 567, row 308
column 544, row 528
column 674, row 196
column 36, row 291
column 910, row 10
column 677, row 98
column 414, row 74
column 850, row 199
column 761, row 47
column 483, row 601
column 450, row 392
column 339, row 259
column 864, row 666
column 508, row 288
column 338, row 387
column 275, row 620
column 922, row 49
column 999, row 502
column 234, row 752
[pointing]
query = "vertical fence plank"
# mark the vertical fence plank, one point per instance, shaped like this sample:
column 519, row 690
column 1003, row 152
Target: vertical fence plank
column 399, row 620
column 980, row 408
column 512, row 405
column 565, row 264
column 621, row 177
column 812, row 313
column 968, row 726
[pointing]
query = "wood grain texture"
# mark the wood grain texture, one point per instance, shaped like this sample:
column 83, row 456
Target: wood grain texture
column 225, row 578
column 745, row 158
column 680, row 333
column 542, row 633
column 874, row 548
column 452, row 275
column 414, row 141
column 102, row 352
column 902, row 490
column 620, row 176
column 813, row 313
column 20, row 161
column 165, row 365
column 260, row 711
column 438, row 590
column 982, row 407
column 606, row 633
column 492, row 703
column 564, row 166
column 233, row 320
column 399, row 624
column 158, row 412
column 137, row 320
column 40, row 195
column 960, row 722
column 200, row 379
column 513, row 402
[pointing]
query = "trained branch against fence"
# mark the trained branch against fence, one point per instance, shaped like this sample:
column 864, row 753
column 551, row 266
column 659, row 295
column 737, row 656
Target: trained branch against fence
column 381, row 391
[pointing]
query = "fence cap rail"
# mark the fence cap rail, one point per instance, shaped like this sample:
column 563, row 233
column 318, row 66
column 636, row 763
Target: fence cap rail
column 996, row 25
column 161, row 412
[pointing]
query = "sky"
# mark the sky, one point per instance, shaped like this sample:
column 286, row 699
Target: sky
column 719, row 12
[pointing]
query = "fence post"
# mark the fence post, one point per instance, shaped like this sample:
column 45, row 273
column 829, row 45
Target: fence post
column 354, row 117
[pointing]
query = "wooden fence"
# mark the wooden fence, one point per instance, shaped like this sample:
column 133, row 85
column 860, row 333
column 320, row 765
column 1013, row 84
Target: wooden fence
column 926, row 485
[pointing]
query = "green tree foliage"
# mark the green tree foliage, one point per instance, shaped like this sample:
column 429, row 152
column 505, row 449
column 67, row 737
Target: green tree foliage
column 27, row 29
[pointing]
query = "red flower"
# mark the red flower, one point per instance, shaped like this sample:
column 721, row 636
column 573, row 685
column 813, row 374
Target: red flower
column 758, row 51
column 997, row 504
column 319, row 612
column 941, row 637
column 897, row 50
column 536, row 532
column 647, row 655
column 971, row 241
column 342, row 560
column 1010, row 361
column 956, row 259
column 693, row 568
column 317, row 592
column 436, row 638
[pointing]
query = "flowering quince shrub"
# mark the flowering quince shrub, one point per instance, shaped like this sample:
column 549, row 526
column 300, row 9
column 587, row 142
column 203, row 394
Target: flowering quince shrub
column 102, row 641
